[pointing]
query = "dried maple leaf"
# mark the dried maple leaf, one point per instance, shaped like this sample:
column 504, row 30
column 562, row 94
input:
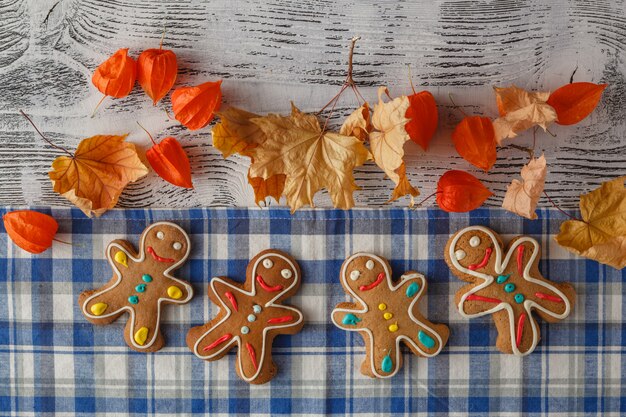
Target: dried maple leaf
column 95, row 175
column 236, row 134
column 520, row 110
column 459, row 191
column 387, row 141
column 573, row 102
column 358, row 124
column 474, row 139
column 522, row 196
column 194, row 107
column 310, row 158
column 601, row 235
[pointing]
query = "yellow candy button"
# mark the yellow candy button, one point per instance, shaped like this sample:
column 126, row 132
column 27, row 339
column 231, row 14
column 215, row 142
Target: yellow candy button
column 382, row 306
column 393, row 328
column 120, row 258
column 141, row 335
column 387, row 316
column 98, row 308
column 174, row 292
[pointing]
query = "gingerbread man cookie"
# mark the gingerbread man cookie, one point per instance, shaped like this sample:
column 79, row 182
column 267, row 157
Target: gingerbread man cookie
column 251, row 315
column 141, row 283
column 510, row 289
column 385, row 314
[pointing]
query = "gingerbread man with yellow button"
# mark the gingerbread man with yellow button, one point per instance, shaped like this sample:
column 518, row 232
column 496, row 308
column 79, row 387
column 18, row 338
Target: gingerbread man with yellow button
column 141, row 283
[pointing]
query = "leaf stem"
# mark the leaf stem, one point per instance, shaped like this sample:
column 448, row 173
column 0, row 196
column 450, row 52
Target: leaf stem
column 149, row 135
column 162, row 37
column 560, row 209
column 62, row 241
column 531, row 152
column 93, row 113
column 411, row 79
column 426, row 199
column 455, row 106
column 45, row 138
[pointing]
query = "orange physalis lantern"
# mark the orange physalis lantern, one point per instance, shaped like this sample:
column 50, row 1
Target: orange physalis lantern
column 475, row 140
column 195, row 106
column 169, row 161
column 423, row 118
column 573, row 102
column 115, row 77
column 30, row 230
column 459, row 191
column 156, row 72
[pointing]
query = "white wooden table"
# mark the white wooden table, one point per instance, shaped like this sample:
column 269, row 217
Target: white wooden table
column 269, row 53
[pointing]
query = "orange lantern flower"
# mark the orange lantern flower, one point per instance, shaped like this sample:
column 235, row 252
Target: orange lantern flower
column 195, row 106
column 573, row 102
column 115, row 77
column 30, row 230
column 423, row 118
column 169, row 161
column 459, row 191
column 156, row 72
column 475, row 140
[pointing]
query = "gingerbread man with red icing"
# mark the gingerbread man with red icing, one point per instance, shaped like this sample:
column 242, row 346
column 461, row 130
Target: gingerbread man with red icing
column 510, row 288
column 251, row 315
column 141, row 284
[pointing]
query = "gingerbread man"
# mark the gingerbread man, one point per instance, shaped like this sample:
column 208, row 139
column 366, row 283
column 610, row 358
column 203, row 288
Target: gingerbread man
column 251, row 315
column 141, row 282
column 385, row 314
column 510, row 289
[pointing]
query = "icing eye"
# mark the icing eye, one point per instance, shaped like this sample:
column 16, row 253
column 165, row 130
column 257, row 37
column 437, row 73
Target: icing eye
column 474, row 241
column 354, row 275
column 286, row 273
column 177, row 245
column 160, row 235
column 267, row 263
column 460, row 254
column 369, row 264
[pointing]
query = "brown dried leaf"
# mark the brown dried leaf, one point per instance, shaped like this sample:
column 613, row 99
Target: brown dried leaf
column 522, row 196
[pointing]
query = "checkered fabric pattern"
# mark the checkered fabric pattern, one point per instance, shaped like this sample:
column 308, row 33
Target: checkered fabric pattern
column 53, row 362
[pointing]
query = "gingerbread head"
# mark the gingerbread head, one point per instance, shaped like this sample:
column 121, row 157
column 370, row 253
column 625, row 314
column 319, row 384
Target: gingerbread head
column 506, row 284
column 141, row 284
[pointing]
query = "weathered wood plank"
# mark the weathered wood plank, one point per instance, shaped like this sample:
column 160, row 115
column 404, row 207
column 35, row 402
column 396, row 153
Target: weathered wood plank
column 272, row 53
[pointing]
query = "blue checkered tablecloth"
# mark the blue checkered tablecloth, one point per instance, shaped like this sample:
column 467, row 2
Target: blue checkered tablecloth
column 53, row 362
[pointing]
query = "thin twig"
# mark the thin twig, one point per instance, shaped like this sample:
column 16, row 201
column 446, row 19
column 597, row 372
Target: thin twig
column 93, row 113
column 426, row 199
column 349, row 79
column 149, row 135
column 523, row 148
column 45, row 138
column 560, row 209
column 455, row 106
column 411, row 79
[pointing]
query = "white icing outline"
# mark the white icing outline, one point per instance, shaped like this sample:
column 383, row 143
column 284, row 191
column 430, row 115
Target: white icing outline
column 251, row 293
column 403, row 279
column 500, row 266
column 142, row 257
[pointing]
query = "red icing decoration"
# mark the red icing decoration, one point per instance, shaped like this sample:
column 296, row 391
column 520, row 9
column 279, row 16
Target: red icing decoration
column 474, row 297
column 252, row 355
column 520, row 256
column 483, row 263
column 548, row 297
column 266, row 287
column 282, row 319
column 520, row 329
column 368, row 287
column 157, row 257
column 219, row 341
column 232, row 299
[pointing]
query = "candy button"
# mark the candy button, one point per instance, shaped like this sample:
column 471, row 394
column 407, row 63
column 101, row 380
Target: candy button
column 412, row 289
column 350, row 319
column 393, row 328
column 519, row 298
column 120, row 258
column 387, row 316
column 251, row 318
column 141, row 335
column 387, row 364
column 509, row 287
column 98, row 308
column 382, row 306
column 502, row 278
column 245, row 330
column 146, row 278
column 140, row 288
column 256, row 308
column 426, row 340
column 177, row 245
column 133, row 299
column 369, row 264
column 174, row 292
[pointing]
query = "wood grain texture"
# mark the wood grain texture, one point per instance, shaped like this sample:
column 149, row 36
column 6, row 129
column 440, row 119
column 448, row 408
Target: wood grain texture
column 269, row 53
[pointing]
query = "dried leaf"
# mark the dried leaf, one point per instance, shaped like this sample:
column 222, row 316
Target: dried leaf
column 358, row 124
column 156, row 72
column 573, row 102
column 459, row 191
column 404, row 187
column 423, row 118
column 522, row 196
column 474, row 140
column 387, row 141
column 170, row 162
column 194, row 107
column 311, row 159
column 115, row 77
column 30, row 230
column 520, row 110
column 94, row 177
column 602, row 233
column 271, row 187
